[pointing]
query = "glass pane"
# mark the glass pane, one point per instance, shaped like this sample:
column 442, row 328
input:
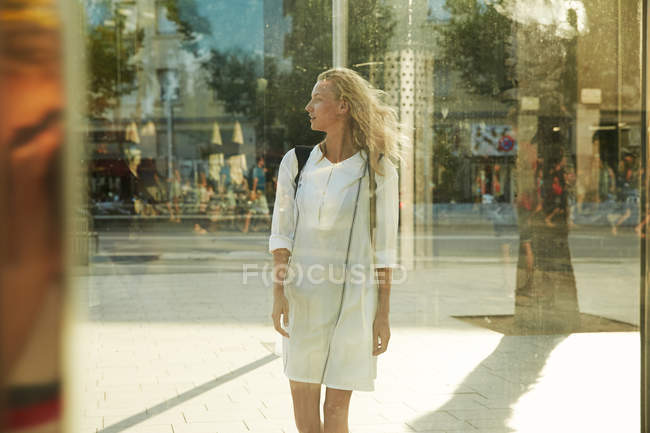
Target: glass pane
column 519, row 212
column 517, row 285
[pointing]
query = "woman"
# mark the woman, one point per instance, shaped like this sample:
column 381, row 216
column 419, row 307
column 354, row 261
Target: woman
column 334, row 301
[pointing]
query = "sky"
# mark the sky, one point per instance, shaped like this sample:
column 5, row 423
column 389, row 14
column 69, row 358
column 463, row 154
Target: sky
column 234, row 24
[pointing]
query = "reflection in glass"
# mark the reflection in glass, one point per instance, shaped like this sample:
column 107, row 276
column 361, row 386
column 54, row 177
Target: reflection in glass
column 519, row 200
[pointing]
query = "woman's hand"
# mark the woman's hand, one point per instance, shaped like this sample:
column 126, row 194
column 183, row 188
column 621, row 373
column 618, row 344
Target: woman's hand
column 280, row 308
column 380, row 334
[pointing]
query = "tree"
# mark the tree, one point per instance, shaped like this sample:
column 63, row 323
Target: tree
column 475, row 43
column 309, row 45
column 235, row 76
column 191, row 25
column 108, row 61
column 493, row 54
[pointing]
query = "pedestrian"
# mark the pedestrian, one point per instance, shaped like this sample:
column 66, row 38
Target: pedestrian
column 333, row 245
column 259, row 205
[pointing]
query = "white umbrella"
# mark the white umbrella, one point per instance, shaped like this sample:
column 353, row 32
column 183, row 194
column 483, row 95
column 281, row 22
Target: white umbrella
column 237, row 135
column 216, row 134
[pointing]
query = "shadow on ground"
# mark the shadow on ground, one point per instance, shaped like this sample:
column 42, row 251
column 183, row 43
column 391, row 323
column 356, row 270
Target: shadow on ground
column 508, row 373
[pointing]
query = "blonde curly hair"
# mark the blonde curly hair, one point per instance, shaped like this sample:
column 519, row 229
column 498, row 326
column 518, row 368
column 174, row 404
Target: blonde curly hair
column 374, row 124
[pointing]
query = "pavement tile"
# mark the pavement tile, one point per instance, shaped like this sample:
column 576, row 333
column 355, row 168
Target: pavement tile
column 472, row 415
column 374, row 416
column 168, row 390
column 434, row 402
column 381, row 428
column 110, row 410
column 171, row 416
column 482, row 424
column 112, row 390
column 150, row 429
column 110, row 420
column 240, row 395
column 439, row 421
column 211, row 427
column 90, row 423
column 216, row 398
column 398, row 412
column 196, row 414
column 499, row 402
column 269, row 426
column 506, row 430
column 275, row 414
column 198, row 428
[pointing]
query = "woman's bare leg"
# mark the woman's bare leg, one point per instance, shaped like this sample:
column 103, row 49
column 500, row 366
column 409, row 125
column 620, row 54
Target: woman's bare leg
column 306, row 406
column 337, row 404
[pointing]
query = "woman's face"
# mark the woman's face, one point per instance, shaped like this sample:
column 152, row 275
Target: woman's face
column 325, row 110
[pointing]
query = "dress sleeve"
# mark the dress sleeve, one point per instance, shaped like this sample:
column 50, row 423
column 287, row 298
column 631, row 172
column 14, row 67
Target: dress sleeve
column 387, row 216
column 283, row 223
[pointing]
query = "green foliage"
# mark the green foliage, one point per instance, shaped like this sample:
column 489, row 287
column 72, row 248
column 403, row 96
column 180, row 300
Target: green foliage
column 190, row 23
column 474, row 42
column 234, row 75
column 309, row 45
column 110, row 74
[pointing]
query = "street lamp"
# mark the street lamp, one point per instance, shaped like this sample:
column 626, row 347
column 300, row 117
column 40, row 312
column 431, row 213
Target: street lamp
column 169, row 93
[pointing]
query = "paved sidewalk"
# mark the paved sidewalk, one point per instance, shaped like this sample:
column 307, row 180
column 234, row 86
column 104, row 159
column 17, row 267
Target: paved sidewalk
column 193, row 352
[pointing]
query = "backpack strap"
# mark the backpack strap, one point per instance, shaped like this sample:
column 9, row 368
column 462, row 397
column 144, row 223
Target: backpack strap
column 302, row 153
column 373, row 201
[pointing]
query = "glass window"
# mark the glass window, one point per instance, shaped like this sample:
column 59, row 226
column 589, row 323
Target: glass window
column 515, row 293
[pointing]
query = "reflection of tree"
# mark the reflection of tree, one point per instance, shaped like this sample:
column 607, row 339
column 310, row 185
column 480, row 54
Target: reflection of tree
column 493, row 54
column 108, row 62
column 233, row 77
column 474, row 43
column 282, row 95
column 309, row 45
column 110, row 49
column 451, row 168
column 188, row 19
column 546, row 298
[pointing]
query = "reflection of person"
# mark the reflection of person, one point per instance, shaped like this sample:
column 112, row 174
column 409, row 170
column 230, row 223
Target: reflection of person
column 627, row 188
column 176, row 194
column 259, row 205
column 546, row 294
column 204, row 195
column 133, row 187
column 259, row 175
column 606, row 180
column 335, row 327
column 554, row 190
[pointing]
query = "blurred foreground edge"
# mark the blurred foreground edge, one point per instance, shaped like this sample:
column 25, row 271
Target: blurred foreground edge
column 31, row 214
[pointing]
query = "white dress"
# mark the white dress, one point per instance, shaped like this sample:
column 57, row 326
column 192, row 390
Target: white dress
column 330, row 324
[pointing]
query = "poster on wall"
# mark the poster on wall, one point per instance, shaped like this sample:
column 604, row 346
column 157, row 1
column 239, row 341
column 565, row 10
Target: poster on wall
column 492, row 140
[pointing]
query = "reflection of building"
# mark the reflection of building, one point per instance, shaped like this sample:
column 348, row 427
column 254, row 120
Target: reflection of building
column 439, row 117
column 465, row 144
column 158, row 46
